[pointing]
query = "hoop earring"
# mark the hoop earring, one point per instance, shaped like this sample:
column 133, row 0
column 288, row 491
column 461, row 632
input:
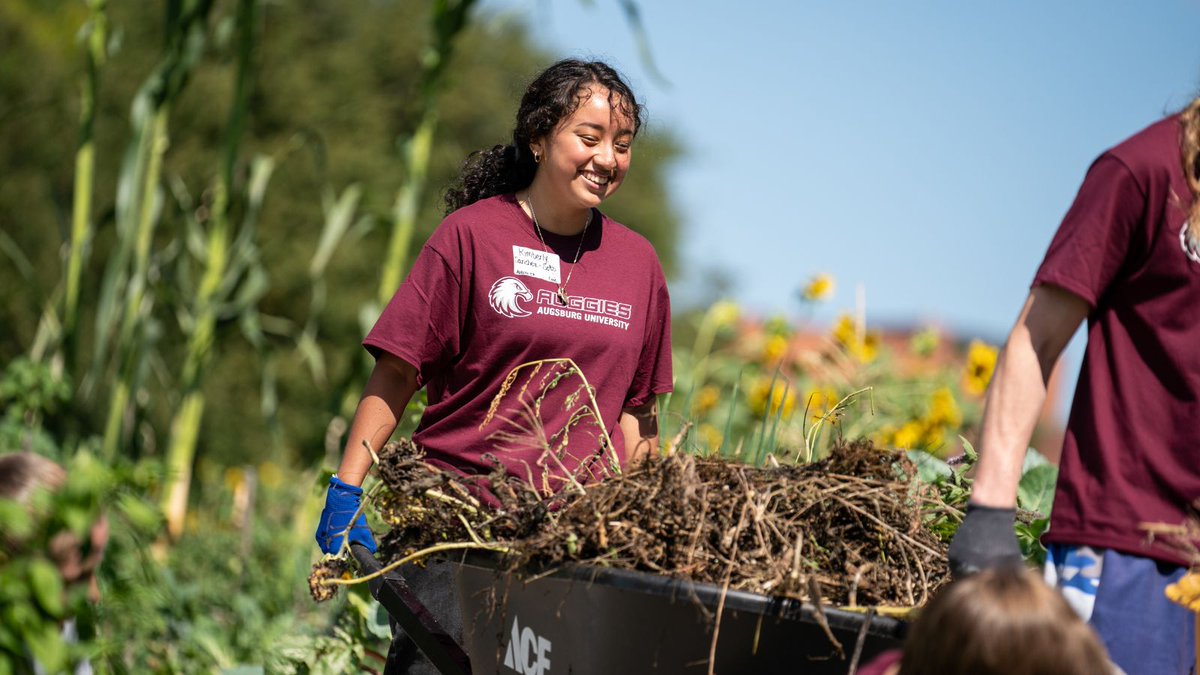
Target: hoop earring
column 537, row 159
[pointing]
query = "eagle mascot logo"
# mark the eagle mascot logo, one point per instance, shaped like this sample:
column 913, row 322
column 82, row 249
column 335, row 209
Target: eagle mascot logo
column 504, row 295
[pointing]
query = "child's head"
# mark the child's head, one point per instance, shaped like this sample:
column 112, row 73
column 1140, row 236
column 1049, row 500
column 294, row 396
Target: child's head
column 1001, row 622
column 22, row 474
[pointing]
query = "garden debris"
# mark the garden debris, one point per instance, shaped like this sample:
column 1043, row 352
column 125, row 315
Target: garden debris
column 851, row 529
column 328, row 568
column 1183, row 540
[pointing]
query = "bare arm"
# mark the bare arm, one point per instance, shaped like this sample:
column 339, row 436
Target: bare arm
column 389, row 389
column 1018, row 390
column 639, row 426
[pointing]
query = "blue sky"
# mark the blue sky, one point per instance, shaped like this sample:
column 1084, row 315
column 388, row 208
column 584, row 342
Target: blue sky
column 924, row 150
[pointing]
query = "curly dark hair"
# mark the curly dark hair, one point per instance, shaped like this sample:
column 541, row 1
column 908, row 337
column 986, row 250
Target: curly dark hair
column 552, row 97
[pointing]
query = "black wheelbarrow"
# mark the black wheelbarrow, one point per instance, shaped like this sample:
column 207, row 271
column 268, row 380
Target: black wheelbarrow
column 591, row 620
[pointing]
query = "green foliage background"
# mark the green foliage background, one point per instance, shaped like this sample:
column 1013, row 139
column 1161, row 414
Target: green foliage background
column 293, row 206
column 333, row 90
column 334, row 86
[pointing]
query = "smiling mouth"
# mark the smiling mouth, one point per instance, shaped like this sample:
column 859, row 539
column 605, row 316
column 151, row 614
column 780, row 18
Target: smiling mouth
column 597, row 178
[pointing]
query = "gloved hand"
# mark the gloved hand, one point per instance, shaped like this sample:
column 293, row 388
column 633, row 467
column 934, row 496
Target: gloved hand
column 984, row 540
column 341, row 502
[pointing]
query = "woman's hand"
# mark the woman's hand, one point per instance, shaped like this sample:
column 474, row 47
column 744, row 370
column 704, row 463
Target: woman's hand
column 389, row 389
column 342, row 503
column 639, row 426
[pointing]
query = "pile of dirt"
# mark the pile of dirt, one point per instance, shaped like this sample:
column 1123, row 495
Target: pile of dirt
column 850, row 530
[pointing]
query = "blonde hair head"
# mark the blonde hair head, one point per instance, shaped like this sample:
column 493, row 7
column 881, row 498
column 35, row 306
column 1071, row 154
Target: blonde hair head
column 1190, row 147
column 1000, row 622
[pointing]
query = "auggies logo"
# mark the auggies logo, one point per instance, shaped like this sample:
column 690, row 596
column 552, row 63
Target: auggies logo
column 507, row 291
column 504, row 295
column 527, row 653
column 1188, row 240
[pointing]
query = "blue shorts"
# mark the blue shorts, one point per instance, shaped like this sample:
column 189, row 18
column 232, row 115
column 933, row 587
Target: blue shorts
column 1121, row 597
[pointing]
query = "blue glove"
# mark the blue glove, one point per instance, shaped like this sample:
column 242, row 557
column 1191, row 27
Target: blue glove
column 341, row 502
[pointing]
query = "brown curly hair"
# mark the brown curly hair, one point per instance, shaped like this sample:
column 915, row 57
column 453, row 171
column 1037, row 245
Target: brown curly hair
column 1190, row 146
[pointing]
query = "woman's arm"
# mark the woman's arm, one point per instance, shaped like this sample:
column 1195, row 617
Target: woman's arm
column 1014, row 400
column 1018, row 390
column 639, row 426
column 389, row 389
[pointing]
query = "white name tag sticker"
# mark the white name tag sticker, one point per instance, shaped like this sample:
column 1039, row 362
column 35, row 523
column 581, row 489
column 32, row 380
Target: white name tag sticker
column 531, row 262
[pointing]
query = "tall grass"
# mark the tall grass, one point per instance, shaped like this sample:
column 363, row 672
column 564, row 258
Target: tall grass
column 225, row 263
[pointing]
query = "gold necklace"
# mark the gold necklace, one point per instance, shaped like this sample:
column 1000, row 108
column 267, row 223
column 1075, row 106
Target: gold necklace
column 563, row 298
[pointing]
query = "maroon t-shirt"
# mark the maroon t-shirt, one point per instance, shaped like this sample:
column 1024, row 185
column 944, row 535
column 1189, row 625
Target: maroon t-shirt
column 481, row 300
column 882, row 663
column 1132, row 449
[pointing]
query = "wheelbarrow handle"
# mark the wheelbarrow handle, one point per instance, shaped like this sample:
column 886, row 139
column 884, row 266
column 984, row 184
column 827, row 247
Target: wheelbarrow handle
column 391, row 591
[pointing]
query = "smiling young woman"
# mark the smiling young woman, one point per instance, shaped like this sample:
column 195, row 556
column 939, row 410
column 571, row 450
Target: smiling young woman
column 524, row 268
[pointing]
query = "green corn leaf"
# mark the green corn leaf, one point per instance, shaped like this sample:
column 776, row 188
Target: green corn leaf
column 633, row 17
column 269, row 391
column 338, row 217
column 16, row 255
column 251, row 327
column 311, row 354
column 261, row 169
column 254, row 286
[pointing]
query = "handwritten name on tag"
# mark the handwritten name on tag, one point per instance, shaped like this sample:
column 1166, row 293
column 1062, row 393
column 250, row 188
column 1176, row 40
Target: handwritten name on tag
column 531, row 262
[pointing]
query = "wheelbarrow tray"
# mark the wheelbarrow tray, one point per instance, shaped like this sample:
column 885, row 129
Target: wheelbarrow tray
column 586, row 619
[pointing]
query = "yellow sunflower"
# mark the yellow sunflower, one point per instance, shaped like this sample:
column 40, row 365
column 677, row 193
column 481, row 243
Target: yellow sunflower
column 818, row 289
column 981, row 363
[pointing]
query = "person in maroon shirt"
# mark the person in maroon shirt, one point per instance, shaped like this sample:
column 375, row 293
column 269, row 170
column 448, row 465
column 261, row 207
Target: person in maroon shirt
column 524, row 269
column 1126, row 257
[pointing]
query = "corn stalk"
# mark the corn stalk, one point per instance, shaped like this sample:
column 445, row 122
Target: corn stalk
column 56, row 328
column 126, row 298
column 142, row 221
column 226, row 265
column 449, row 19
column 95, row 54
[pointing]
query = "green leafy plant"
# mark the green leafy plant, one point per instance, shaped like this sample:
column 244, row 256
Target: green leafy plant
column 34, row 600
column 29, row 390
column 1035, row 495
column 358, row 642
